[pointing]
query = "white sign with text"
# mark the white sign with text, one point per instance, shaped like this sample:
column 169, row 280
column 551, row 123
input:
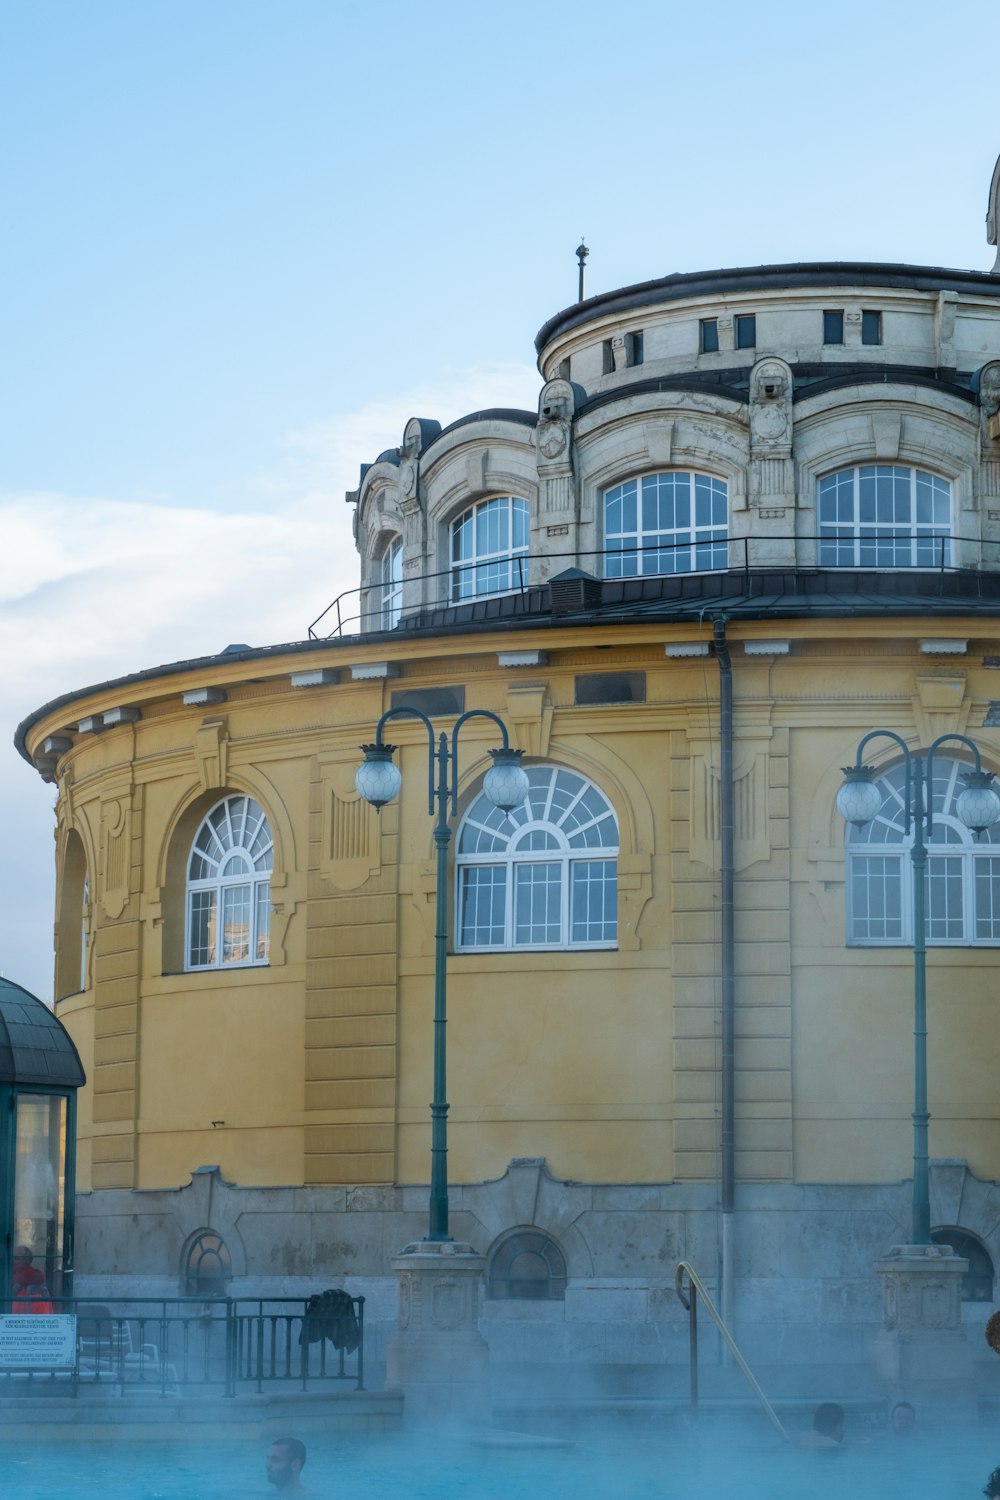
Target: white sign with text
column 37, row 1341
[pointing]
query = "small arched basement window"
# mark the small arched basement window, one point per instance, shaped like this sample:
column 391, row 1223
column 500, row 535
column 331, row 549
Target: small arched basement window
column 527, row 1266
column 977, row 1283
column 207, row 1267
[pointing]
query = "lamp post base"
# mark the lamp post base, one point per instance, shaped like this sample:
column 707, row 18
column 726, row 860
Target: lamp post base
column 921, row 1351
column 438, row 1358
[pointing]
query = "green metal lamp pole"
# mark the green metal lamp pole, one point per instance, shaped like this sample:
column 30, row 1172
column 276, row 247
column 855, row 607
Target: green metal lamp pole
column 378, row 780
column 978, row 806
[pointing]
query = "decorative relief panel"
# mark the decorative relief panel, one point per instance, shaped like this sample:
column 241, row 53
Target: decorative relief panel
column 116, row 827
column 350, row 851
column 750, row 772
column 211, row 748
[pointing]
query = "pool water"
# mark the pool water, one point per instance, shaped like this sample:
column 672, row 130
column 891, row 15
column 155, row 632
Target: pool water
column 710, row 1462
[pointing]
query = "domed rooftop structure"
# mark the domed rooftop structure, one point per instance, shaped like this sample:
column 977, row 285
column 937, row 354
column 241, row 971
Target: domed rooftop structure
column 35, row 1047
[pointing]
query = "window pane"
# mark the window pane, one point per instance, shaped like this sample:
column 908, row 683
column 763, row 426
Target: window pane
column 537, row 904
column 263, row 923
column 871, row 327
column 201, row 927
column 833, row 327
column 709, row 335
column 594, row 914
column 987, row 887
column 483, row 898
column 944, row 899
column 746, row 331
column 236, row 904
column 876, row 898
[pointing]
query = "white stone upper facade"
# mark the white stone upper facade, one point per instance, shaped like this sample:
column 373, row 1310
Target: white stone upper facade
column 779, row 417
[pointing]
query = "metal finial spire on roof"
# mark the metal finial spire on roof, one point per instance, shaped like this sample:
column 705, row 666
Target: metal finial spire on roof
column 993, row 216
column 581, row 254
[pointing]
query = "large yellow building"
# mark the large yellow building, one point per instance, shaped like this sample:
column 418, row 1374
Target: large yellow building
column 756, row 516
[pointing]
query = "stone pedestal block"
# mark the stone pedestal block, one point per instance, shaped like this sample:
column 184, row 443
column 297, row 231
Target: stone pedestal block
column 438, row 1358
column 921, row 1351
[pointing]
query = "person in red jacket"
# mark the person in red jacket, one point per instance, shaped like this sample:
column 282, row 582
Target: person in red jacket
column 25, row 1274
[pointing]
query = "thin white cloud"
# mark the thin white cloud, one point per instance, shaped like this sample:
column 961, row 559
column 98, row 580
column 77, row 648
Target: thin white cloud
column 93, row 589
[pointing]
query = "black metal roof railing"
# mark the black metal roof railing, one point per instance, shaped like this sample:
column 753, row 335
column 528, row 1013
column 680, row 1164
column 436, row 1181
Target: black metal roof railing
column 378, row 606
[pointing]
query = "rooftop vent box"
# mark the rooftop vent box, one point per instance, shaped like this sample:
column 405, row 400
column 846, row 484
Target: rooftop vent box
column 573, row 591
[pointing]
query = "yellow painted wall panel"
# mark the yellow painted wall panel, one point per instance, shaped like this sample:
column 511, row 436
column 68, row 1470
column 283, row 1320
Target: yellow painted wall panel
column 351, row 940
column 351, row 1093
column 324, row 1004
column 111, row 1107
column 111, row 1078
column 111, row 966
column 321, row 1140
column 112, row 1175
column 349, row 1171
column 354, row 1031
column 119, row 1047
column 350, row 1062
column 345, row 973
column 107, row 1148
column 117, row 938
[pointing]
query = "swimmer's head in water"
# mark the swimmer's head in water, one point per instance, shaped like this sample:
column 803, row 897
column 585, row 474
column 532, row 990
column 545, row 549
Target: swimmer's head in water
column 284, row 1462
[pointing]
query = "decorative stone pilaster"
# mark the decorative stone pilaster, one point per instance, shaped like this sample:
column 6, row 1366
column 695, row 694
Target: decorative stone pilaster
column 772, row 474
column 439, row 1359
column 922, row 1350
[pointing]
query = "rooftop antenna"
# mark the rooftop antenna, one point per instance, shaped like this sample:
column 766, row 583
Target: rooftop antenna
column 581, row 254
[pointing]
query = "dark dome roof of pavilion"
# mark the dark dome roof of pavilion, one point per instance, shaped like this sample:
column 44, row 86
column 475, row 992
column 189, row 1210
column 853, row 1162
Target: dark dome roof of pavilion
column 35, row 1047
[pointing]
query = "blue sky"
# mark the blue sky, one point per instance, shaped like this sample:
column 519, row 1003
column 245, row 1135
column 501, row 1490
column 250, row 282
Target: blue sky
column 244, row 242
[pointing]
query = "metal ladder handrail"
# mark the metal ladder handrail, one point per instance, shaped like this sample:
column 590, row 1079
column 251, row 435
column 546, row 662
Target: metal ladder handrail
column 697, row 1287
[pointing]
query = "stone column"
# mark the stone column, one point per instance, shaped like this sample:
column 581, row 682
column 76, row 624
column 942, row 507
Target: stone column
column 921, row 1351
column 438, row 1358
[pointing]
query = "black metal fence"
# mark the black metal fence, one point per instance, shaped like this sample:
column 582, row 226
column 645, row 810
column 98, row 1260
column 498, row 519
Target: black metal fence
column 162, row 1345
column 375, row 606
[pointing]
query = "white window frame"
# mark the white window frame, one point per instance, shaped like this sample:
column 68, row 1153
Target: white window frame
column 390, row 572
column 478, row 570
column 860, row 525
column 699, row 545
column 884, row 838
column 563, row 829
column 243, row 858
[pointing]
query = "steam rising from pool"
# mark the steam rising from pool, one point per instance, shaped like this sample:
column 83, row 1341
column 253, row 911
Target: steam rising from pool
column 675, row 1463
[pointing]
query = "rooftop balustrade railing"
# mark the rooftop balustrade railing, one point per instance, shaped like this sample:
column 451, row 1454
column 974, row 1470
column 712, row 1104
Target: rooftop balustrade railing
column 863, row 549
column 164, row 1346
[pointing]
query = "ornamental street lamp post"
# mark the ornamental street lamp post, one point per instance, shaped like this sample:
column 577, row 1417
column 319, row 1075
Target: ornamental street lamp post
column 978, row 807
column 378, row 780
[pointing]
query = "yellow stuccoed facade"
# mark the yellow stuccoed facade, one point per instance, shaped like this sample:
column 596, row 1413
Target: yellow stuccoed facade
column 316, row 1070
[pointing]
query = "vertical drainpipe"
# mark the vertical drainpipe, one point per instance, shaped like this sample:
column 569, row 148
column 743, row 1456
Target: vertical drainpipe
column 727, row 961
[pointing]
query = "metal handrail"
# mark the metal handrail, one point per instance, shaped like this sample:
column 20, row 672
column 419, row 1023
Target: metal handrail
column 738, row 551
column 690, row 1304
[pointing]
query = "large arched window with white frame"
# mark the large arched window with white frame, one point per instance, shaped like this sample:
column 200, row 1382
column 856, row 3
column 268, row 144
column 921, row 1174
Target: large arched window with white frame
column 884, row 516
column 229, row 887
column 489, row 548
column 963, row 873
column 672, row 522
column 544, row 875
column 391, row 583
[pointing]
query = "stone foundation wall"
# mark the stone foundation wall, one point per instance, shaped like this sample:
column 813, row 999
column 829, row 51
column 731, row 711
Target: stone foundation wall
column 806, row 1290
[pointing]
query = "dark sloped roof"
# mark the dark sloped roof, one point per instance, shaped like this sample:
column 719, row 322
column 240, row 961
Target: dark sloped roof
column 35, row 1047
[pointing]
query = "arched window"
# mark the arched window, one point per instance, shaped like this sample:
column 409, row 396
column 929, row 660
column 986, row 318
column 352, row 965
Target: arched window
column 391, row 584
column 884, row 516
column 229, row 886
column 963, row 873
column 544, row 875
column 675, row 522
column 528, row 1266
column 74, row 915
column 207, row 1267
column 977, row 1283
column 489, row 548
